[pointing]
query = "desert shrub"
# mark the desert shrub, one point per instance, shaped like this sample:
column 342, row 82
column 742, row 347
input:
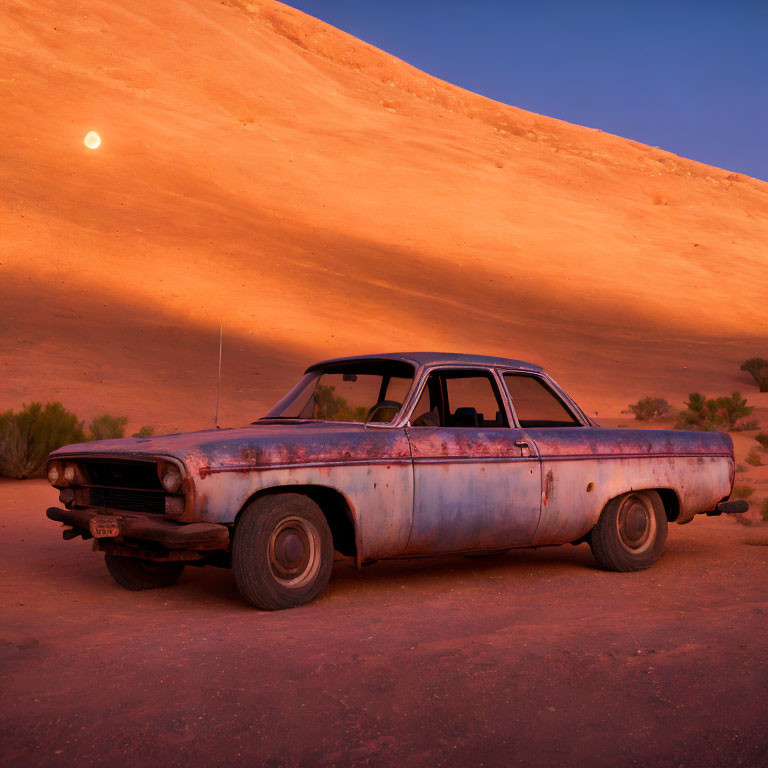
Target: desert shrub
column 27, row 437
column 764, row 509
column 733, row 408
column 747, row 426
column 758, row 368
column 753, row 458
column 713, row 414
column 742, row 491
column 144, row 432
column 650, row 408
column 741, row 468
column 762, row 438
column 107, row 427
column 699, row 413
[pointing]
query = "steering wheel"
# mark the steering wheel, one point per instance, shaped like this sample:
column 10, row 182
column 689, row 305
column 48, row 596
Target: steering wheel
column 380, row 406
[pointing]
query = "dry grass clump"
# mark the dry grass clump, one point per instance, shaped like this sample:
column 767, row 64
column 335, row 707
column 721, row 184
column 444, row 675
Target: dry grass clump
column 742, row 491
column 649, row 408
column 107, row 427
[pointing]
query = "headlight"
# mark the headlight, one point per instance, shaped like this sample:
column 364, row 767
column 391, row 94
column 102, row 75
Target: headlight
column 170, row 476
column 55, row 473
column 62, row 473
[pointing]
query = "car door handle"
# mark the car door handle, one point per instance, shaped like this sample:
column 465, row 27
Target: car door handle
column 525, row 448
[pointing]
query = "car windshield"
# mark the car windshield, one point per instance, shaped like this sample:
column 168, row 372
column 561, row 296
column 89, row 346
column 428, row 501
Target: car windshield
column 361, row 390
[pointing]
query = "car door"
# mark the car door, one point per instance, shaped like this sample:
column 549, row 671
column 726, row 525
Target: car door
column 569, row 475
column 477, row 483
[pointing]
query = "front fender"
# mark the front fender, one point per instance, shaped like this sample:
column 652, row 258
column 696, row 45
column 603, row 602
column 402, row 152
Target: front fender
column 379, row 496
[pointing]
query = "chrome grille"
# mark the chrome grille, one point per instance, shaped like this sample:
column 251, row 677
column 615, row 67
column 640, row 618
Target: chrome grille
column 127, row 499
column 117, row 473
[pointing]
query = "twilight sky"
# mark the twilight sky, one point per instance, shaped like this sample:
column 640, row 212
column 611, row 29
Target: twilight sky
column 689, row 76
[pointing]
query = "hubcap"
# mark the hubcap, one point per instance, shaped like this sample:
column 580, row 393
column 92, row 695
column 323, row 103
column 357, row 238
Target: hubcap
column 294, row 552
column 636, row 523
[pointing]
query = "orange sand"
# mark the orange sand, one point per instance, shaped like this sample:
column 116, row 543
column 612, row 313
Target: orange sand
column 325, row 198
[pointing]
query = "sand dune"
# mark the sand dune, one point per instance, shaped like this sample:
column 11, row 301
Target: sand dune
column 324, row 198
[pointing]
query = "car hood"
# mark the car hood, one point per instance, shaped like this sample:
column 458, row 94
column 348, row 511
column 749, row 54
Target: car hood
column 258, row 445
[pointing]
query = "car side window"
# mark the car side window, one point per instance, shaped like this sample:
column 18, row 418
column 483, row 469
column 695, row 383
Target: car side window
column 535, row 404
column 460, row 398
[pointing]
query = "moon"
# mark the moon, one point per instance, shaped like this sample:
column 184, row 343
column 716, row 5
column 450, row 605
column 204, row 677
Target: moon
column 92, row 140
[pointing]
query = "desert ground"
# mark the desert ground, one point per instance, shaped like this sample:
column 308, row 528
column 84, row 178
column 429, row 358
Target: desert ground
column 533, row 658
column 319, row 197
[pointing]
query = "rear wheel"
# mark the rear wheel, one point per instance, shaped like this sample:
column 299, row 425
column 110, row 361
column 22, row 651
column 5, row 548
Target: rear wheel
column 631, row 532
column 134, row 573
column 282, row 552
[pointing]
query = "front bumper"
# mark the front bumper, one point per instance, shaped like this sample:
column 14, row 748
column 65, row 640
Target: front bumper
column 168, row 533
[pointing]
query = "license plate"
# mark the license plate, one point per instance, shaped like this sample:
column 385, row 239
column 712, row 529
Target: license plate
column 104, row 527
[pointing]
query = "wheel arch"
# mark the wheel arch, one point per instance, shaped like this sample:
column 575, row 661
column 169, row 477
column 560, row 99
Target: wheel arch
column 668, row 496
column 671, row 502
column 335, row 506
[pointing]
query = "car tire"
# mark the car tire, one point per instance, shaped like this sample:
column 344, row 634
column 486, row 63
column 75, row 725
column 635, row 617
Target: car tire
column 630, row 533
column 134, row 573
column 282, row 551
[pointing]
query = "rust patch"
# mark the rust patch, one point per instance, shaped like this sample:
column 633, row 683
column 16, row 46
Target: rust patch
column 546, row 491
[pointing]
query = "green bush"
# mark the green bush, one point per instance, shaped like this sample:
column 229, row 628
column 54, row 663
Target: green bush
column 762, row 438
column 107, row 427
column 650, row 408
column 713, row 414
column 742, row 491
column 753, row 458
column 758, row 367
column 144, row 432
column 733, row 408
column 27, row 437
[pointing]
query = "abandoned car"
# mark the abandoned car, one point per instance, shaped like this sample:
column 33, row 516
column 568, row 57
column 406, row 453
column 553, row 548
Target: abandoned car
column 387, row 456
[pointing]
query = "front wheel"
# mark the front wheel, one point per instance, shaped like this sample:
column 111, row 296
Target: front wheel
column 134, row 573
column 282, row 551
column 631, row 532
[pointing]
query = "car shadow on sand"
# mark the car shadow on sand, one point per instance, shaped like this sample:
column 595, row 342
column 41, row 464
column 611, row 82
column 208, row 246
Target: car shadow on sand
column 205, row 588
column 384, row 579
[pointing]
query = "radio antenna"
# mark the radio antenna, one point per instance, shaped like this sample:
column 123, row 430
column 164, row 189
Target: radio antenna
column 218, row 376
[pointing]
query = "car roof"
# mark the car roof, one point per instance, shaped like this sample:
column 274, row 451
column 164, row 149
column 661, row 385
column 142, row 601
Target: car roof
column 441, row 358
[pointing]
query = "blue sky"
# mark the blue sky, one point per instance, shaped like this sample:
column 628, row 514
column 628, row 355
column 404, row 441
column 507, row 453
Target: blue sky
column 689, row 77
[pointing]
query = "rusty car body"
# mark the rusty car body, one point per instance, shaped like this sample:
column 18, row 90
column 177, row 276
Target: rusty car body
column 387, row 456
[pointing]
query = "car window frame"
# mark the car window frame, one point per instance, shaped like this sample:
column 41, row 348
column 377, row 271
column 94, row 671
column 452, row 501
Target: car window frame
column 570, row 407
column 492, row 372
column 397, row 421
